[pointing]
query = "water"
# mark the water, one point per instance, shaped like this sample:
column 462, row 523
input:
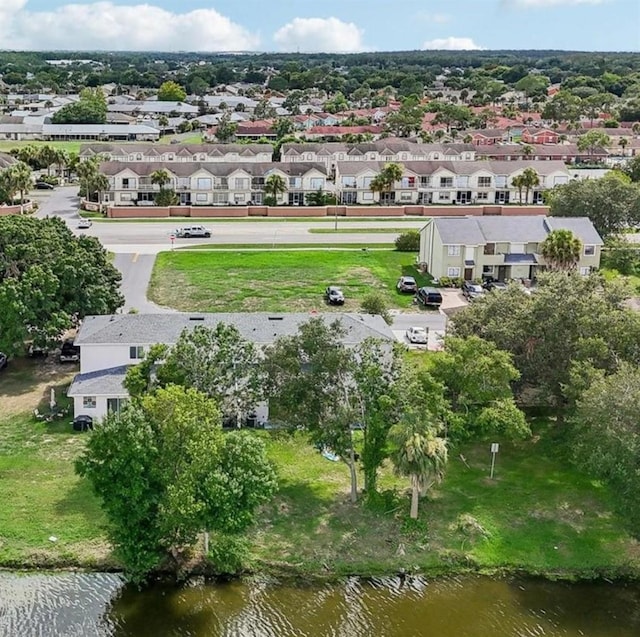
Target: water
column 70, row 605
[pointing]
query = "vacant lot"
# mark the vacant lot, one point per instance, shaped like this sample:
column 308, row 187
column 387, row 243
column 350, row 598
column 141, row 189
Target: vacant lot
column 278, row 281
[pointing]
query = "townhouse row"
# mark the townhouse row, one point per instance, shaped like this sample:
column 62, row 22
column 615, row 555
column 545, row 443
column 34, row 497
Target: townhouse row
column 243, row 183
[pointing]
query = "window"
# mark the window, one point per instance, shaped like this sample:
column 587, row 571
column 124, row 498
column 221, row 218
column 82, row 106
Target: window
column 348, row 182
column 136, row 352
column 436, row 156
column 220, row 197
column 487, row 269
column 462, row 181
column 89, row 402
column 125, row 182
column 317, row 183
column 484, row 182
column 501, row 181
column 203, row 183
column 115, row 405
column 482, row 196
column 425, row 182
column 589, row 251
column 350, row 197
column 454, row 272
column 366, row 196
column 489, row 248
column 453, row 251
column 139, row 157
column 295, row 182
column 408, row 182
column 446, row 182
column 366, row 182
column 201, row 197
column 444, row 196
column 242, row 183
column 586, row 271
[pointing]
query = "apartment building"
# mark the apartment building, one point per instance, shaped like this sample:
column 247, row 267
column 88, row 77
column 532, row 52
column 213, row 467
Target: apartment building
column 211, row 183
column 448, row 182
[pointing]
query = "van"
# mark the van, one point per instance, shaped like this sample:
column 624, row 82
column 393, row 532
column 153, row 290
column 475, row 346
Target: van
column 430, row 297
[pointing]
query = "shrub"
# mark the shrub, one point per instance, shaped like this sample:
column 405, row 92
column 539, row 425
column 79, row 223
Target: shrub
column 408, row 241
column 228, row 554
column 611, row 123
column 49, row 179
column 374, row 303
column 270, row 200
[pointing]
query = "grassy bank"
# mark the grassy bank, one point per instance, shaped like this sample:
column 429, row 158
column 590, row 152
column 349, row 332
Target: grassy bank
column 277, row 281
column 286, row 246
column 70, row 147
column 538, row 514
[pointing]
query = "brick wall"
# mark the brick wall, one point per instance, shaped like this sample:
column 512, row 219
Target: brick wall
column 126, row 212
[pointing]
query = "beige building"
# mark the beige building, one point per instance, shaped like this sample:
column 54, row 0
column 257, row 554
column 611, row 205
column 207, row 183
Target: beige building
column 211, row 184
column 500, row 247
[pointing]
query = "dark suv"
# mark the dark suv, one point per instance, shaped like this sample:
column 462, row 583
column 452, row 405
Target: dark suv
column 429, row 297
column 69, row 353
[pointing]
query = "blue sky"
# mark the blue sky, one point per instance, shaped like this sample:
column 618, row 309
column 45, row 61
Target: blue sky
column 327, row 25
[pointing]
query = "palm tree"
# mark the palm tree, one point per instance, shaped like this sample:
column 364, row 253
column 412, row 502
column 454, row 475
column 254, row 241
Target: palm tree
column 275, row 185
column 518, row 182
column 623, row 141
column 561, row 250
column 22, row 179
column 47, row 156
column 86, row 171
column 419, row 454
column 530, row 179
column 385, row 181
column 160, row 177
column 527, row 150
column 100, row 184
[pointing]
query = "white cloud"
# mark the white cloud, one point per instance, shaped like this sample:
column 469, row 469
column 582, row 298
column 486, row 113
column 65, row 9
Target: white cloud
column 328, row 35
column 536, row 4
column 452, row 44
column 103, row 25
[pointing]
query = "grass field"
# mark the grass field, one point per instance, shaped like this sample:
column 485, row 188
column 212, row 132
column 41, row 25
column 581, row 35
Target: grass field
column 538, row 514
column 71, row 147
column 286, row 246
column 277, row 281
column 358, row 230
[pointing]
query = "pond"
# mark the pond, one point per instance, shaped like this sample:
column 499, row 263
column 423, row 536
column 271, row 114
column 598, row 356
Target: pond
column 97, row 604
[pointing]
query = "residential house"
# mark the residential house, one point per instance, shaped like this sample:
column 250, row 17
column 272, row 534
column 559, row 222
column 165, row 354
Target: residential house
column 109, row 345
column 568, row 153
column 152, row 107
column 504, row 248
column 389, row 150
column 169, row 153
column 487, row 137
column 539, row 136
column 72, row 132
column 211, row 183
column 448, row 182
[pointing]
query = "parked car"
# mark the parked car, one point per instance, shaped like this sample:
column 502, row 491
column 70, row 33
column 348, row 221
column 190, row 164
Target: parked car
column 334, row 295
column 407, row 284
column 35, row 351
column 495, row 285
column 472, row 291
column 417, row 335
column 84, row 223
column 429, row 297
column 192, row 231
column 69, row 353
column 82, row 423
column 43, row 185
column 4, row 361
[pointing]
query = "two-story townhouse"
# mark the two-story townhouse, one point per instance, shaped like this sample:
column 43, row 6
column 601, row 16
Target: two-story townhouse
column 388, row 150
column 110, row 344
column 178, row 152
column 502, row 248
column 211, row 183
column 448, row 182
column 539, row 136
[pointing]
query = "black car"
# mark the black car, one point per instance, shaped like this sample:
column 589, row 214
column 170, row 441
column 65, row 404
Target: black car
column 82, row 423
column 43, row 185
column 4, row 361
column 35, row 351
column 69, row 353
column 429, row 297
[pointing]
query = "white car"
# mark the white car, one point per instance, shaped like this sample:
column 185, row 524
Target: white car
column 84, row 223
column 192, row 231
column 417, row 335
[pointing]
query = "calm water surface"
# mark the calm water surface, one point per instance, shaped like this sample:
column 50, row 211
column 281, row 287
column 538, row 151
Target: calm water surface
column 99, row 605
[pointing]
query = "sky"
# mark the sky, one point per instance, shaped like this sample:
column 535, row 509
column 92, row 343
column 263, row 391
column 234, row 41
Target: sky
column 319, row 25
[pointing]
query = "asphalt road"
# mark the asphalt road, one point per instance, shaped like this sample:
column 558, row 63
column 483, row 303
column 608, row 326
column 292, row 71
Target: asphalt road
column 135, row 245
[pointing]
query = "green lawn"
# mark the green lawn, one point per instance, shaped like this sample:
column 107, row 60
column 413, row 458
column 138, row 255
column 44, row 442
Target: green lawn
column 277, row 281
column 286, row 246
column 71, row 147
column 538, row 514
column 357, row 230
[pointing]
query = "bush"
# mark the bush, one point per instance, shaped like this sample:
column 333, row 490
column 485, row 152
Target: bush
column 611, row 123
column 228, row 554
column 270, row 200
column 49, row 179
column 374, row 303
column 408, row 241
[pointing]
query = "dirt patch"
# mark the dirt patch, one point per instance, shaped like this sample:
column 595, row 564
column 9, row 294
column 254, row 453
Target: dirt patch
column 362, row 274
column 26, row 384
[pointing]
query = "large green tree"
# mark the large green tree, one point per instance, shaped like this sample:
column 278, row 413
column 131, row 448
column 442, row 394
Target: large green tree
column 91, row 108
column 611, row 203
column 569, row 321
column 48, row 278
column 171, row 91
column 165, row 473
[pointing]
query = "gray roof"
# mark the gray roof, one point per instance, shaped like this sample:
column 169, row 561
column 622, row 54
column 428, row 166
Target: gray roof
column 217, row 169
column 391, row 144
column 174, row 149
column 104, row 382
column 97, row 129
column 474, row 231
column 580, row 226
column 520, row 259
column 260, row 327
column 7, row 160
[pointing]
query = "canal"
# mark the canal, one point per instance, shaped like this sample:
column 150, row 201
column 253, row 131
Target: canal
column 74, row 605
